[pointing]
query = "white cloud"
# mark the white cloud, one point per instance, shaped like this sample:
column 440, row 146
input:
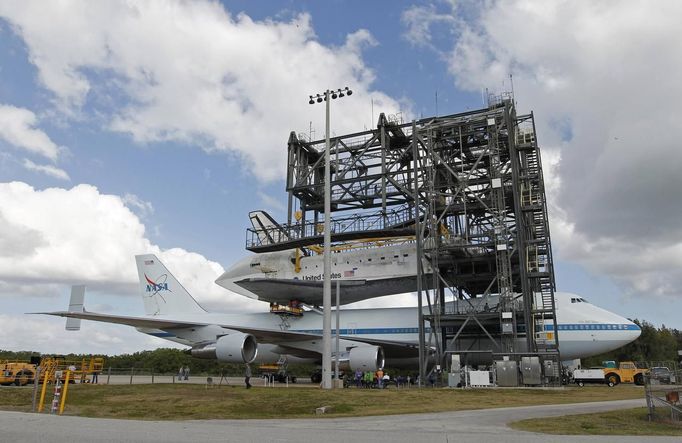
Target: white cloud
column 18, row 127
column 604, row 85
column 143, row 208
column 420, row 20
column 192, row 72
column 50, row 170
column 47, row 335
column 57, row 236
column 271, row 202
column 53, row 238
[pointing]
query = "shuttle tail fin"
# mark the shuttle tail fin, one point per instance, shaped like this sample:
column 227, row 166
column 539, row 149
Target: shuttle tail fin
column 267, row 229
column 161, row 292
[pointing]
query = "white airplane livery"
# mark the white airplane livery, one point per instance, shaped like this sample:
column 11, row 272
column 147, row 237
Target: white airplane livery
column 369, row 338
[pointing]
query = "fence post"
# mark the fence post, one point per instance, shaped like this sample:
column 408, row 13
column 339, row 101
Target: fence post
column 108, row 374
column 36, row 382
column 152, row 377
column 132, row 370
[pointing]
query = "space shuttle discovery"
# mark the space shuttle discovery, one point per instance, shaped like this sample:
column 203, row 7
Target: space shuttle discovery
column 369, row 338
column 362, row 272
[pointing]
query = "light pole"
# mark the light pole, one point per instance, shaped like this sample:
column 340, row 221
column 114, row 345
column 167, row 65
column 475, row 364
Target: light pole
column 327, row 283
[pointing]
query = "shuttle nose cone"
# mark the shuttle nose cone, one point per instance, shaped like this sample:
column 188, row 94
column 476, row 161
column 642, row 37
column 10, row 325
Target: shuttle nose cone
column 237, row 272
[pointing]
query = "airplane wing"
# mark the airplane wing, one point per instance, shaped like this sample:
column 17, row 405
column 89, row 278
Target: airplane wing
column 264, row 335
column 282, row 291
column 261, row 334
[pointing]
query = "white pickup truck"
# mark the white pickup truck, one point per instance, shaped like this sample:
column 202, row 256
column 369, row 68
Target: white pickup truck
column 582, row 376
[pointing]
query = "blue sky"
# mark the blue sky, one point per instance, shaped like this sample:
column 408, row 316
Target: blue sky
column 157, row 128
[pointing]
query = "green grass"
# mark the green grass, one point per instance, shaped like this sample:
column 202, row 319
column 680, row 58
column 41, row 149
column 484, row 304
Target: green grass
column 177, row 402
column 623, row 422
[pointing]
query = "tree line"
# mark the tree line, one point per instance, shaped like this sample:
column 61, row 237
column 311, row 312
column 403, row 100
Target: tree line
column 653, row 345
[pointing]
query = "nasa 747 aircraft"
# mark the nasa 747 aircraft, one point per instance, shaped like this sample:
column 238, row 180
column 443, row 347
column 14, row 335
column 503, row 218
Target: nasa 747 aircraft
column 368, row 336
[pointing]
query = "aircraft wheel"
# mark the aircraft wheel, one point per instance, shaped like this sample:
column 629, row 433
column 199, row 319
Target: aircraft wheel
column 316, row 377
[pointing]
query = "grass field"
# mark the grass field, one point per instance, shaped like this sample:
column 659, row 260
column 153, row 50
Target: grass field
column 178, row 402
column 624, row 422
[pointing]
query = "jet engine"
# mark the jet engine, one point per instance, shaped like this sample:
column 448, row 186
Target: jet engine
column 233, row 348
column 365, row 358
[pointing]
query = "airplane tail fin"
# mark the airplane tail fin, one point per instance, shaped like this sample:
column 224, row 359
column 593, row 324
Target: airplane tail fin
column 267, row 229
column 161, row 292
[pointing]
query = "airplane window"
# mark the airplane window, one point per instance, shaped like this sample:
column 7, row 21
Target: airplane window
column 574, row 300
column 406, row 255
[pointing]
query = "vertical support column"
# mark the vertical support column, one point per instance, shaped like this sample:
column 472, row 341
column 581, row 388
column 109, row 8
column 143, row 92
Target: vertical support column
column 382, row 121
column 420, row 265
column 327, row 289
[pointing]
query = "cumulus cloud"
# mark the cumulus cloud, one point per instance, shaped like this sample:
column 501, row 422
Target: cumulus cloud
column 194, row 73
column 143, row 208
column 50, row 170
column 18, row 128
column 604, row 86
column 47, row 335
column 419, row 21
column 52, row 238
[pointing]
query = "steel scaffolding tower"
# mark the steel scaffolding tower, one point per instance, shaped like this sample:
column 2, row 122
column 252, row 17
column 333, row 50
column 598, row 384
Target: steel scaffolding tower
column 468, row 189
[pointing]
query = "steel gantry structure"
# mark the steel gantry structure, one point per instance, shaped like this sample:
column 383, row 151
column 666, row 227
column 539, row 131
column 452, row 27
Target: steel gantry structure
column 468, row 189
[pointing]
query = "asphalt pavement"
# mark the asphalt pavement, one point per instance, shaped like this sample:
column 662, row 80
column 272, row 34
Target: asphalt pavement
column 487, row 425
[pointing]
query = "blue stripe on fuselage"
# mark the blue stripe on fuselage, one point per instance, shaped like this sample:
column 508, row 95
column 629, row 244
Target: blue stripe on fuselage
column 161, row 334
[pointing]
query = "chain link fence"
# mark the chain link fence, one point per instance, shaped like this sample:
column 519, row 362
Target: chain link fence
column 663, row 388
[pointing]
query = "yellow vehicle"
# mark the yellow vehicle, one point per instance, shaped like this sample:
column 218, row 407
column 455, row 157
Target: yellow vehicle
column 625, row 372
column 21, row 373
column 17, row 373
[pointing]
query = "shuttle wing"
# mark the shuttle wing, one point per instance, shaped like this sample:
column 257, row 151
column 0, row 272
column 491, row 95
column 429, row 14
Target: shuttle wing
column 282, row 291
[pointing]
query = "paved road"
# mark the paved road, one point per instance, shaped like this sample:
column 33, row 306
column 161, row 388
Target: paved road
column 487, row 425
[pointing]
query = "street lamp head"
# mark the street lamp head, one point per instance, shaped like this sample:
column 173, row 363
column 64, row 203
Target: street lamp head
column 319, row 99
column 349, row 91
column 312, row 102
column 334, row 96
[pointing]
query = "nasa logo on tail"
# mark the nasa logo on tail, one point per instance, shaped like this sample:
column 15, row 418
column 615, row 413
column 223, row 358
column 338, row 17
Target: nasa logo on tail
column 157, row 286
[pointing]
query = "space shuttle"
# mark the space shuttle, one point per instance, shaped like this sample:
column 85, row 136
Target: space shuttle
column 362, row 270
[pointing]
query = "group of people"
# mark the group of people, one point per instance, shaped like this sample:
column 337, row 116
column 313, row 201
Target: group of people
column 371, row 379
column 183, row 373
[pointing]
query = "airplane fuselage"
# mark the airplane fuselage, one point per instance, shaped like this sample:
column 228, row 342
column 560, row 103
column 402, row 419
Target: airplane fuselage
column 583, row 330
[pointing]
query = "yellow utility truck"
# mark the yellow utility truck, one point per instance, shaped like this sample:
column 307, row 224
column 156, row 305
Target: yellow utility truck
column 624, row 372
column 17, row 373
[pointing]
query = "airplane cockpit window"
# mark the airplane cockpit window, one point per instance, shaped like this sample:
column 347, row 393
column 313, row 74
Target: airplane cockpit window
column 574, row 300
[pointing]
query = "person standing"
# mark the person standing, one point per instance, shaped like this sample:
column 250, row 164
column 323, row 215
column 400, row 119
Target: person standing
column 247, row 376
column 186, row 372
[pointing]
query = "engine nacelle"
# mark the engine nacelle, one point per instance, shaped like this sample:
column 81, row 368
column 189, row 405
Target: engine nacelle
column 233, row 348
column 365, row 358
